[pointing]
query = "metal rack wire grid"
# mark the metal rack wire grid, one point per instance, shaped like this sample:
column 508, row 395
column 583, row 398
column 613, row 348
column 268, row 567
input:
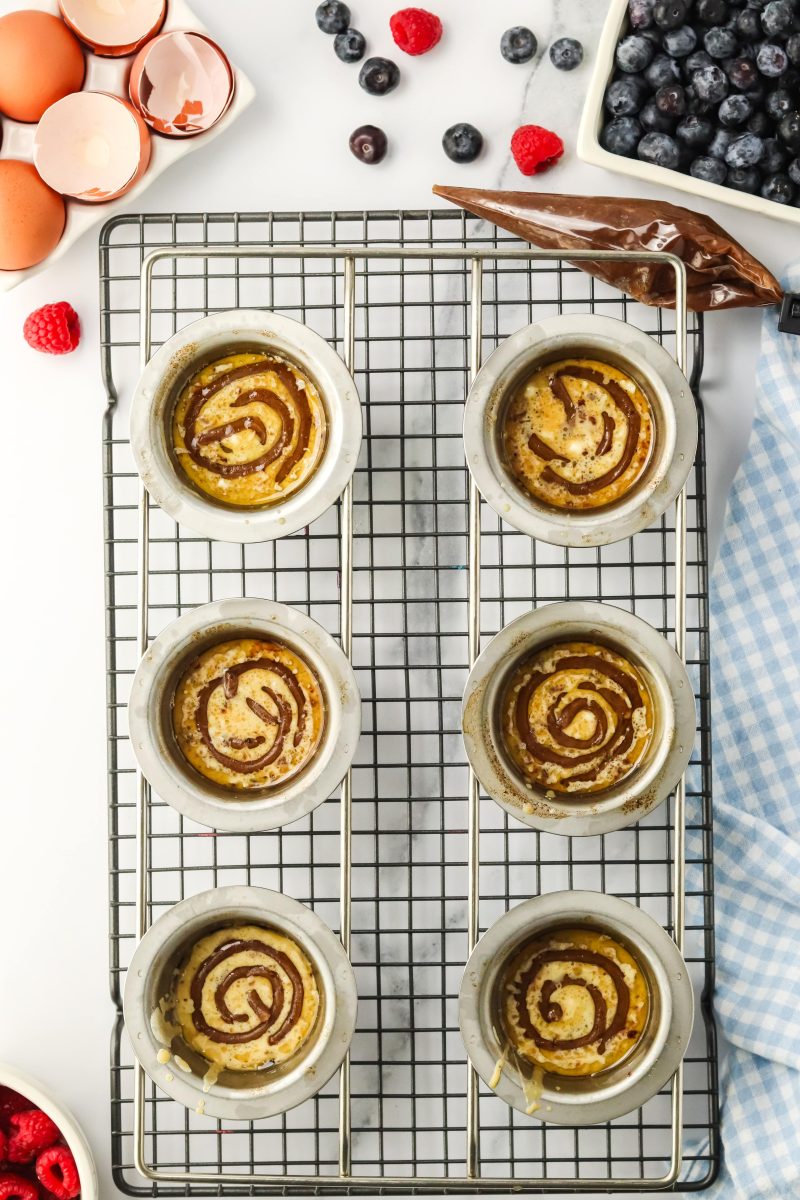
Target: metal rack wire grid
column 407, row 1115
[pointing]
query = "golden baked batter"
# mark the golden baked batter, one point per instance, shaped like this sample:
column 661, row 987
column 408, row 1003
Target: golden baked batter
column 578, row 434
column 574, row 1002
column 246, row 998
column 249, row 430
column 576, row 717
column 248, row 713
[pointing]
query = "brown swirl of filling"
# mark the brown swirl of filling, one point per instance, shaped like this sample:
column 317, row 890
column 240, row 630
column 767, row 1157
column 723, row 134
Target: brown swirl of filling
column 578, row 434
column 267, row 1016
column 577, row 717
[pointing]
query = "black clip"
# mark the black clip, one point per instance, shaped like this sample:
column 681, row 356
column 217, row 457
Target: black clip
column 789, row 320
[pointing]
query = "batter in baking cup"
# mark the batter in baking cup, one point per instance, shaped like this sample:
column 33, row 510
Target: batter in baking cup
column 248, row 713
column 578, row 434
column 574, row 1002
column 576, row 717
column 249, row 430
column 246, row 998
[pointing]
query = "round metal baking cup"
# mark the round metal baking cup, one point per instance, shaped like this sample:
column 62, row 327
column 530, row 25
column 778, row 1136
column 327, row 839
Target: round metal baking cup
column 666, row 757
column 628, row 1084
column 150, row 716
column 238, row 1095
column 199, row 344
column 608, row 340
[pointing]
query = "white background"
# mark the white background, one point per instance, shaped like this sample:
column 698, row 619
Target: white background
column 289, row 151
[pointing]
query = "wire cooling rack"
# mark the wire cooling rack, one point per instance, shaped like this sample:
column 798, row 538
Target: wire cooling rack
column 430, row 863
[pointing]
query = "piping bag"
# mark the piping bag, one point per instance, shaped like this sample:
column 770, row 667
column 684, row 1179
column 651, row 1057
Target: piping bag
column 720, row 272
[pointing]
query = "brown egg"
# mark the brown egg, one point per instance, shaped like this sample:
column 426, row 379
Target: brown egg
column 40, row 61
column 32, row 216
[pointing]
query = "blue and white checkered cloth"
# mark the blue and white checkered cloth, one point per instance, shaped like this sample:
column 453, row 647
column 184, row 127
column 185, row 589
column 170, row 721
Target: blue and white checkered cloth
column 755, row 640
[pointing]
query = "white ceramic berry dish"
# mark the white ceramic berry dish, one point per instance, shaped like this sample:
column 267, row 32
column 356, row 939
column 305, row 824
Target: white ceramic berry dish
column 590, row 150
column 41, row 1097
column 111, row 75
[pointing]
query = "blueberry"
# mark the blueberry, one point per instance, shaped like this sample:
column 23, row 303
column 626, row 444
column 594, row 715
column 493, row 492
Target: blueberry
column 368, row 143
column 742, row 73
column 772, row 60
column 778, row 103
column 774, row 157
column 748, row 25
column 735, row 110
column 379, row 76
column 662, row 70
column 776, row 17
column 789, row 131
column 711, row 170
column 695, row 132
column 622, row 136
column 518, row 45
column 759, row 123
column 566, row 54
column 694, row 62
column 710, row 84
column 654, row 120
column 659, row 149
column 720, row 42
column 634, row 53
column 680, row 42
column 624, row 97
column 718, row 146
column 711, row 12
column 669, row 14
column 778, row 187
column 350, row 45
column 640, row 13
column 333, row 16
column 671, row 100
column 793, row 49
column 744, row 179
column 745, row 151
column 462, row 143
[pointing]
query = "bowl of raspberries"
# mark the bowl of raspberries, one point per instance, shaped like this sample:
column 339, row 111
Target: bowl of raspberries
column 43, row 1153
column 703, row 95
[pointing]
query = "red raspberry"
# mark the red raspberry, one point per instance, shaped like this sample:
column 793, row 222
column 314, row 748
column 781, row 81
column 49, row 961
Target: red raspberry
column 14, row 1187
column 11, row 1102
column 535, row 149
column 30, row 1132
column 3, row 1143
column 53, row 329
column 56, row 1171
column 414, row 30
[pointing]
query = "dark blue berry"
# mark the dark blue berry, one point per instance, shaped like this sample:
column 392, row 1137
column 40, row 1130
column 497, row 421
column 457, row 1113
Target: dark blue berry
column 779, row 188
column 772, row 60
column 745, row 151
column 350, row 45
column 748, row 25
column 744, row 179
column 640, row 13
column 774, row 158
column 776, row 17
column 694, row 62
column 669, row 14
column 711, row 12
column 622, row 136
column 624, row 97
column 518, row 44
column 710, row 84
column 711, row 170
column 778, row 103
column 789, row 131
column 695, row 131
column 759, row 123
column 742, row 73
column 368, row 143
column 654, row 120
column 662, row 70
column 333, row 16
column 379, row 76
column 718, row 146
column 566, row 54
column 671, row 100
column 680, row 42
column 634, row 53
column 735, row 110
column 793, row 49
column 462, row 143
column 659, row 149
column 720, row 42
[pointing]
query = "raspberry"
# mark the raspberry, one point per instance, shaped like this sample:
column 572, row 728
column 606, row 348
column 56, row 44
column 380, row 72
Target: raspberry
column 53, row 329
column 30, row 1132
column 14, row 1187
column 535, row 149
column 11, row 1102
column 56, row 1171
column 3, row 1144
column 414, row 30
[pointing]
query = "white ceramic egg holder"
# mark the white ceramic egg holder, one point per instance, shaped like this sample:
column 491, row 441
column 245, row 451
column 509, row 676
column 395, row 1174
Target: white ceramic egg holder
column 111, row 75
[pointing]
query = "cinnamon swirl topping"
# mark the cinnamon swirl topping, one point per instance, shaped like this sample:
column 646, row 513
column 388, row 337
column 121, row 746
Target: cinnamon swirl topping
column 249, row 429
column 578, row 434
column 574, row 1002
column 248, row 713
column 247, row 997
column 576, row 717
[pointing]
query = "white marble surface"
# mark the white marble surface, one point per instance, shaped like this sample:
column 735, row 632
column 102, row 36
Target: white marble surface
column 288, row 152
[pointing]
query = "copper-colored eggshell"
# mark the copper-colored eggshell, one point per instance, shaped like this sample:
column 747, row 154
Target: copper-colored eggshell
column 166, row 63
column 40, row 62
column 80, row 22
column 32, row 216
column 54, row 155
